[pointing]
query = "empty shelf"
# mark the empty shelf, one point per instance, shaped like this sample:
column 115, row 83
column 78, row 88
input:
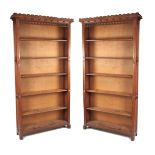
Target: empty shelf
column 92, row 58
column 43, row 92
column 40, row 39
column 43, row 110
column 110, row 111
column 110, row 75
column 112, row 39
column 23, row 57
column 107, row 126
column 41, row 126
column 110, row 93
column 42, row 74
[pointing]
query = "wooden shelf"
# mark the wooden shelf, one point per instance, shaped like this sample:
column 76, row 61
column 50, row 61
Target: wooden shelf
column 42, row 126
column 44, row 110
column 107, row 126
column 43, row 92
column 42, row 74
column 110, row 75
column 110, row 93
column 41, row 39
column 92, row 58
column 44, row 57
column 111, row 39
column 110, row 111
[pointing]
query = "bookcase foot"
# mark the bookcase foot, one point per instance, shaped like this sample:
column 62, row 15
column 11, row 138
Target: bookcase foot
column 68, row 126
column 21, row 137
column 132, row 138
column 85, row 127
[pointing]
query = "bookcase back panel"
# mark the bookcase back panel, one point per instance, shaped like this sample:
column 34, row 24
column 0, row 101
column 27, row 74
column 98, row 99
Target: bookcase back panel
column 110, row 49
column 42, row 49
column 32, row 66
column 110, row 31
column 39, row 31
column 44, row 117
column 111, row 83
column 111, row 118
column 110, row 102
column 115, row 66
column 42, row 83
column 43, row 101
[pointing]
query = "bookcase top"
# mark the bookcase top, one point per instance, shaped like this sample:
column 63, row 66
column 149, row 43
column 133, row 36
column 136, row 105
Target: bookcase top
column 38, row 19
column 113, row 19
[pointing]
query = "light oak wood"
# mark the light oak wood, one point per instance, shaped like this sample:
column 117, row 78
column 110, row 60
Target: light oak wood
column 43, row 101
column 41, row 92
column 107, row 101
column 48, row 109
column 110, row 111
column 42, row 74
column 42, row 49
column 111, row 84
column 116, row 93
column 110, row 75
column 32, row 66
column 111, row 118
column 42, row 83
column 43, row 117
column 118, row 66
column 111, row 31
column 115, row 128
column 39, row 31
column 101, row 58
column 41, row 39
column 44, row 57
column 110, row 50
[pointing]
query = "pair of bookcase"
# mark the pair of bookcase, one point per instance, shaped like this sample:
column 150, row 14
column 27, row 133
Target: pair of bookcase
column 42, row 66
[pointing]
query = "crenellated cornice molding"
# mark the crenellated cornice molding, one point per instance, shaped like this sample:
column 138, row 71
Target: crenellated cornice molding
column 38, row 19
column 113, row 19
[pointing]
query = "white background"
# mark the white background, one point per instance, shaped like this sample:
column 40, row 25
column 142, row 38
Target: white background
column 76, row 140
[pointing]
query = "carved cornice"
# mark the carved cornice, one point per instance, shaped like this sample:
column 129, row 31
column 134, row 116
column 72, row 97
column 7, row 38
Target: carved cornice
column 113, row 19
column 37, row 19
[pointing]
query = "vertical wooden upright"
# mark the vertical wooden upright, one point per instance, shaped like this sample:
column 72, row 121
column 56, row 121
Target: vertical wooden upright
column 42, row 70
column 110, row 73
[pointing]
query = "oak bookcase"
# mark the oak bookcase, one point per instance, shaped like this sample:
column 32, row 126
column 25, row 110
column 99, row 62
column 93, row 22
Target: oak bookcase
column 110, row 73
column 42, row 68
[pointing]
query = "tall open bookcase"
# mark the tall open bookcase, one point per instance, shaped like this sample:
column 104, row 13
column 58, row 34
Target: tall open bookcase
column 42, row 68
column 110, row 73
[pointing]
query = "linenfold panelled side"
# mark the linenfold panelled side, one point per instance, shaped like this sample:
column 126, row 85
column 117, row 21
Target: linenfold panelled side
column 42, row 68
column 110, row 73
